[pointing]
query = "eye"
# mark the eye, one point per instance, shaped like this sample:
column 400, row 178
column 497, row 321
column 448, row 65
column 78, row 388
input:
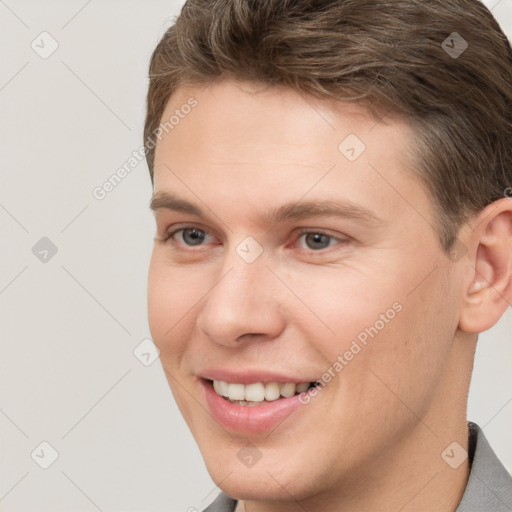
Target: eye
column 316, row 240
column 188, row 236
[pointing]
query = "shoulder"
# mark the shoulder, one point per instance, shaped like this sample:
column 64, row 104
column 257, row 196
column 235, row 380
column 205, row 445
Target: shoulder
column 489, row 485
column 222, row 503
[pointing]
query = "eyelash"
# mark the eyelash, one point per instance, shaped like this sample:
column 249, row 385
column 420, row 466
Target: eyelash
column 303, row 231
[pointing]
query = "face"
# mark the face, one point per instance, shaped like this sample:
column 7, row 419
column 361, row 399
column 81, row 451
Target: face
column 293, row 245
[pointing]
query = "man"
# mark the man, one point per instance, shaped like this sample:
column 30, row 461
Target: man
column 334, row 229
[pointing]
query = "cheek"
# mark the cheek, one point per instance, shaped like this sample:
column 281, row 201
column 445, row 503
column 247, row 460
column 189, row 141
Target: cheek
column 404, row 364
column 160, row 301
column 170, row 298
column 344, row 304
column 380, row 326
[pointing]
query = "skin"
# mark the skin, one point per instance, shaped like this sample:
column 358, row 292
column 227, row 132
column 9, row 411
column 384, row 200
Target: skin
column 372, row 438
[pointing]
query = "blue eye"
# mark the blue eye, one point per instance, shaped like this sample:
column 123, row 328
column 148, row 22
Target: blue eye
column 191, row 236
column 318, row 241
column 314, row 241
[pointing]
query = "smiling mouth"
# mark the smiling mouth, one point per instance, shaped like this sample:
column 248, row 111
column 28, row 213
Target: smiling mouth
column 258, row 393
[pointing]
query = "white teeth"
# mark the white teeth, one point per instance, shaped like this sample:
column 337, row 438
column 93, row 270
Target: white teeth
column 256, row 393
column 224, row 388
column 287, row 390
column 236, row 391
column 272, row 391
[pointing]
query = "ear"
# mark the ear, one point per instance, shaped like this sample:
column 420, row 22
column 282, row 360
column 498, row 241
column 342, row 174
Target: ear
column 490, row 249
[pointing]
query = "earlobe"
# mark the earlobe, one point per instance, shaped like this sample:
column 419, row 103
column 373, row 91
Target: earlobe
column 490, row 290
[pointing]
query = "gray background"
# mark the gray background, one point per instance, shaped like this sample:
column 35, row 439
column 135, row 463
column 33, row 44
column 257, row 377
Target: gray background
column 69, row 325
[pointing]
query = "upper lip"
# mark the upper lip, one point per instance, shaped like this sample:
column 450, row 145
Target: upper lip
column 250, row 376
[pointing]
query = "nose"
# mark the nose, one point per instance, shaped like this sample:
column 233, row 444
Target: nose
column 244, row 304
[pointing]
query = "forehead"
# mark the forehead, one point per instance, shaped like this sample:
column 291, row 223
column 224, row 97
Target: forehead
column 241, row 113
column 255, row 140
column 243, row 104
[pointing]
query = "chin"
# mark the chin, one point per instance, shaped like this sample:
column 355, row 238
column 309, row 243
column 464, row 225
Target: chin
column 273, row 477
column 259, row 485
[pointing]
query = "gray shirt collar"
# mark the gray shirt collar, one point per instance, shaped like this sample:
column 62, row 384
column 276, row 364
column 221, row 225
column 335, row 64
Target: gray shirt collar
column 489, row 486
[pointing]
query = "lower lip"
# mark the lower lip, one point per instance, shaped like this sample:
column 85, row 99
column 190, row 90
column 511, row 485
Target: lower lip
column 245, row 418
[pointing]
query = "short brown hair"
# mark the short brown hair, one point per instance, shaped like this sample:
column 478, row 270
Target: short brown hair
column 390, row 55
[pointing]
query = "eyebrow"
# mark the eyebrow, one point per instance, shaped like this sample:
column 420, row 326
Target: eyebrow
column 298, row 210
